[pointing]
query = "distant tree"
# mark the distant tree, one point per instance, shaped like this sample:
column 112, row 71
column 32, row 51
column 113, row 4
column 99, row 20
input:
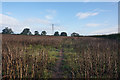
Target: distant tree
column 30, row 33
column 36, row 33
column 63, row 34
column 43, row 33
column 26, row 31
column 7, row 31
column 56, row 33
column 75, row 34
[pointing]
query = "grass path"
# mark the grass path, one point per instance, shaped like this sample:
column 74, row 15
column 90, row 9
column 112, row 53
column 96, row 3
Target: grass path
column 57, row 71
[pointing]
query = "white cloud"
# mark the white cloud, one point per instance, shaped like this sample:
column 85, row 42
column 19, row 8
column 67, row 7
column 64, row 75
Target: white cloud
column 101, row 10
column 8, row 13
column 51, row 11
column 82, row 15
column 92, row 25
column 36, row 21
column 8, row 20
column 51, row 14
column 17, row 26
column 49, row 17
column 11, row 22
column 106, row 31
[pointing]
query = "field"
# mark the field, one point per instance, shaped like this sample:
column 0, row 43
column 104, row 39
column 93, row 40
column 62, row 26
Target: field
column 58, row 57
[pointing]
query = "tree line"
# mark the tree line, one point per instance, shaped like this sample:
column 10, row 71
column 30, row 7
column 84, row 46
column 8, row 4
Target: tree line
column 27, row 31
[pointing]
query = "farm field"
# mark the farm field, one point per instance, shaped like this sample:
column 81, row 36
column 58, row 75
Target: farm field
column 58, row 57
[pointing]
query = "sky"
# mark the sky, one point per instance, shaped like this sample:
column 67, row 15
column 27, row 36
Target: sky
column 60, row 0
column 85, row 18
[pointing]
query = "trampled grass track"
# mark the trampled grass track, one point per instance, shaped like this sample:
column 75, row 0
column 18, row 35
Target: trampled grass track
column 58, row 73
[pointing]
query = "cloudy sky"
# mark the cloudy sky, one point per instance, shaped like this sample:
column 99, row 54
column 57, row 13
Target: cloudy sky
column 85, row 18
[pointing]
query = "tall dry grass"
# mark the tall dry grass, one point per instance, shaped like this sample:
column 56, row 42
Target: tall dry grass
column 85, row 57
column 92, row 58
column 21, row 60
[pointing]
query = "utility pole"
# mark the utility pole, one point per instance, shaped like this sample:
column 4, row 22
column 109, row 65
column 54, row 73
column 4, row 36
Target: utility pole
column 53, row 29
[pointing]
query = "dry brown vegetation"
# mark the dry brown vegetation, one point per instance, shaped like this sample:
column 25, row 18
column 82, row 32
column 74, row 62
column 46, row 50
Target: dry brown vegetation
column 92, row 58
column 35, row 56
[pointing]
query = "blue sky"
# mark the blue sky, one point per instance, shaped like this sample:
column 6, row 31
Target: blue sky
column 85, row 18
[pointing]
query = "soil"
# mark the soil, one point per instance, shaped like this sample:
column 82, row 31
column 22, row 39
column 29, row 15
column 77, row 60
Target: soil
column 58, row 73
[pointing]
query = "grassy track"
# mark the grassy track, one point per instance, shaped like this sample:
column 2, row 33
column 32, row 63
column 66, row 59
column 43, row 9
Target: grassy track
column 58, row 72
